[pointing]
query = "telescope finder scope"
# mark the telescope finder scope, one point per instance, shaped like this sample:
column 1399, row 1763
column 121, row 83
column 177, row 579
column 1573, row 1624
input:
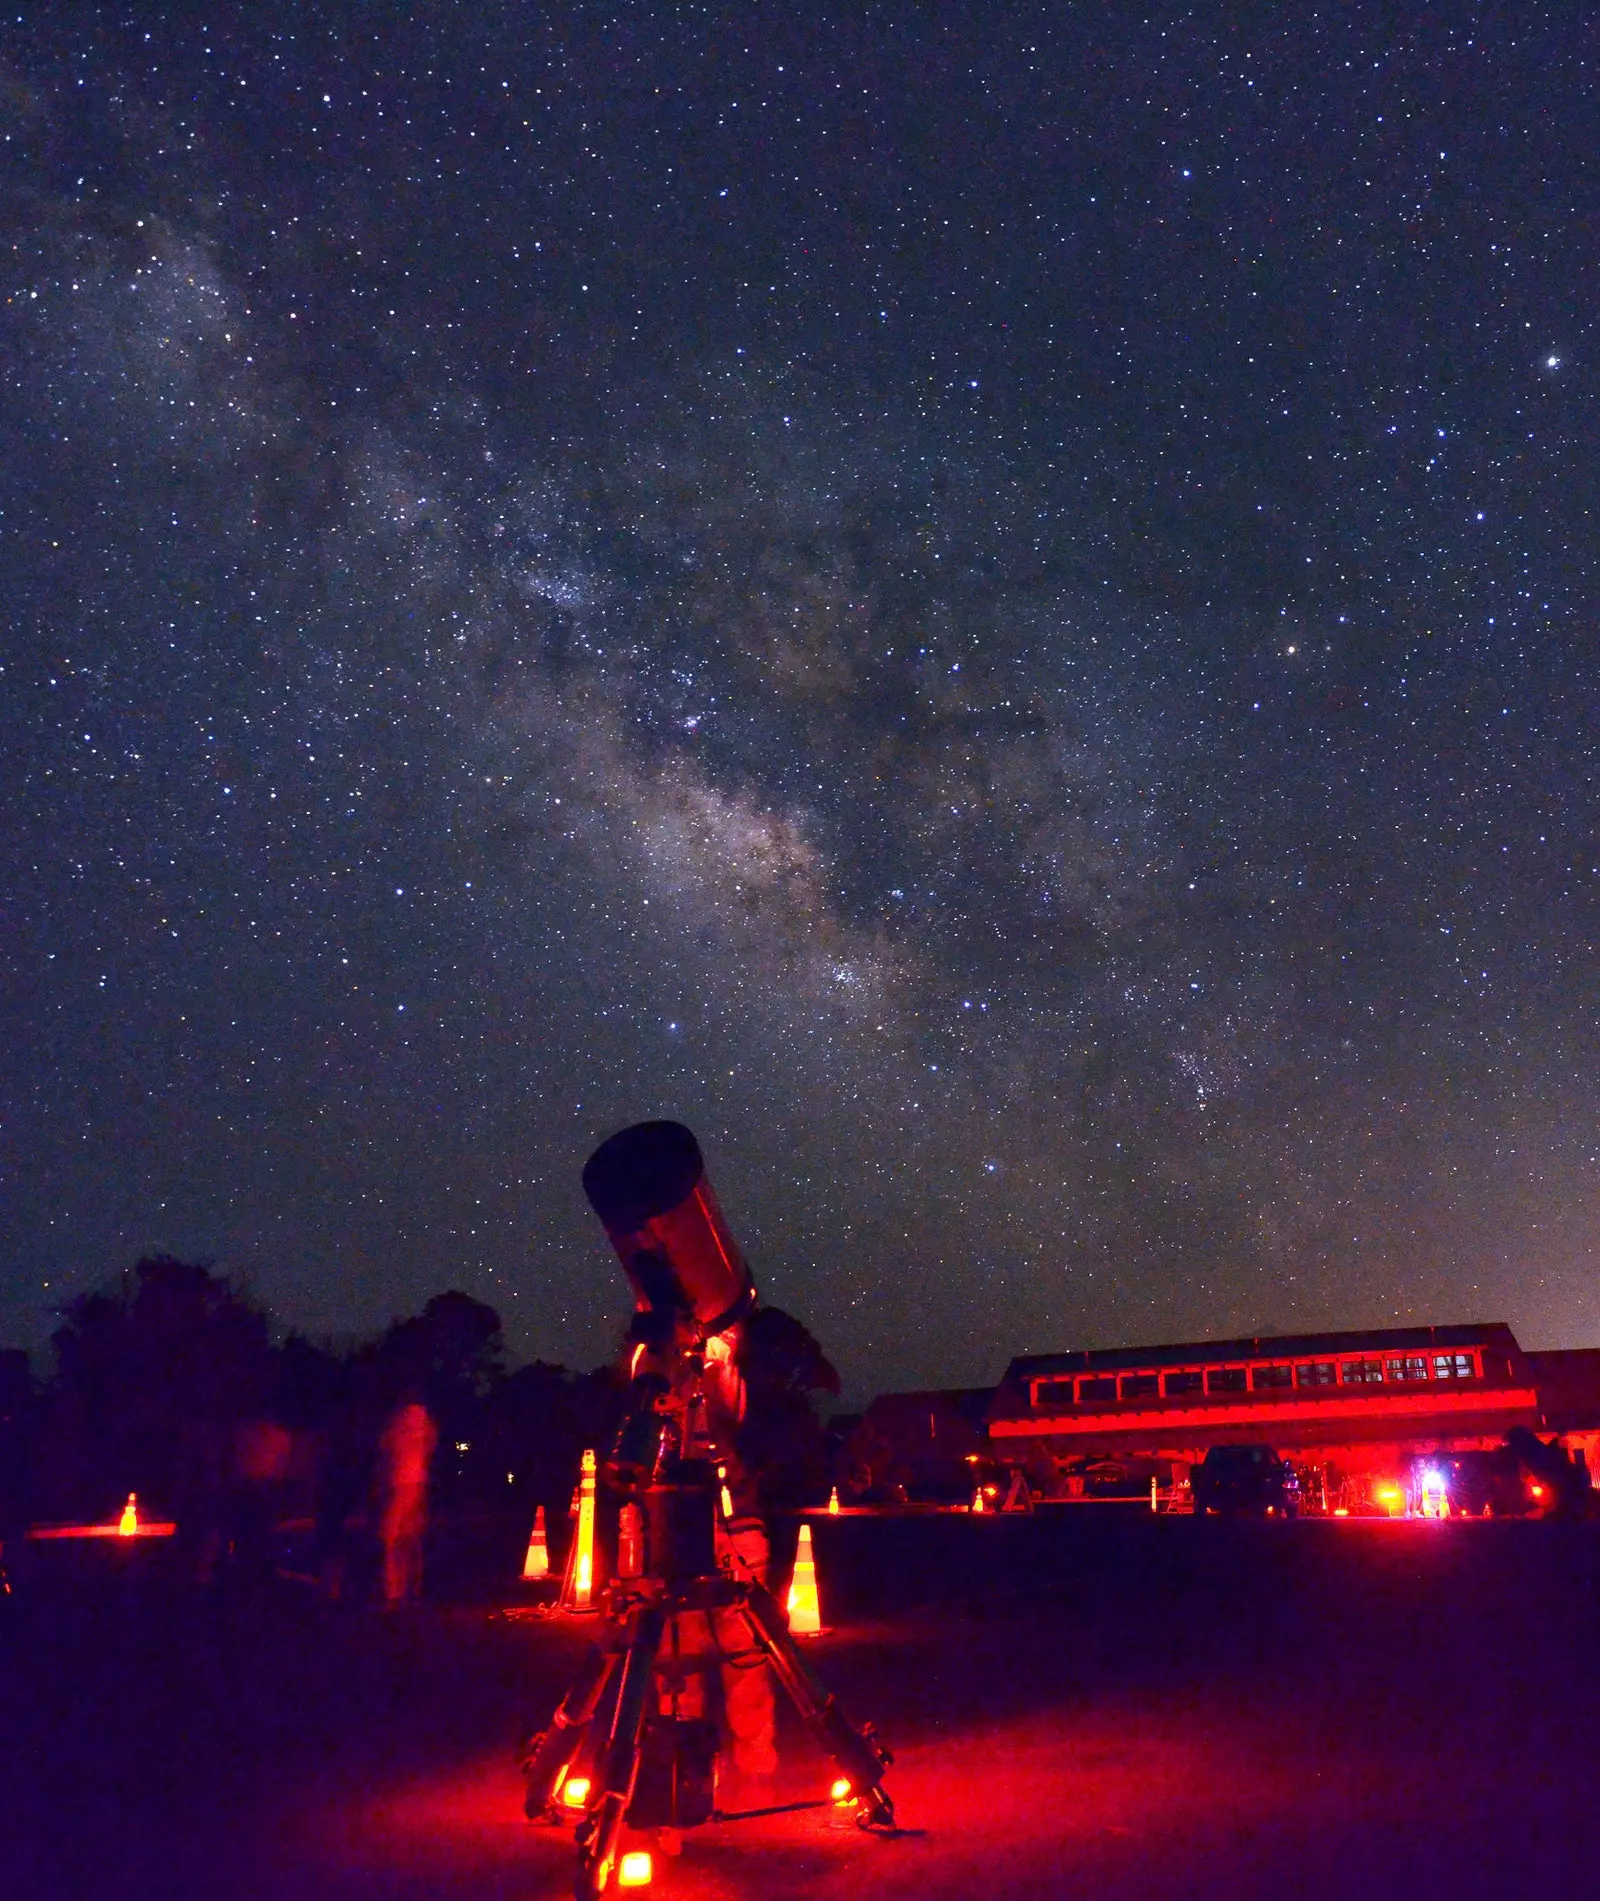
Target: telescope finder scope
column 648, row 1185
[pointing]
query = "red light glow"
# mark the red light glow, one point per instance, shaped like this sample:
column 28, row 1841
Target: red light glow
column 575, row 1792
column 841, row 1790
column 634, row 1869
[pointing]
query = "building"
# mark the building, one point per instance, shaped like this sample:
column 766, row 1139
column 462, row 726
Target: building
column 1350, row 1407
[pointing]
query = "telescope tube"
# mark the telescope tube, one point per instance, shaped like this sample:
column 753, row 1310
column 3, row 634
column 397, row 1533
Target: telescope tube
column 648, row 1185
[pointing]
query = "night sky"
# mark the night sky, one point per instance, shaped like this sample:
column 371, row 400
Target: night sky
column 994, row 607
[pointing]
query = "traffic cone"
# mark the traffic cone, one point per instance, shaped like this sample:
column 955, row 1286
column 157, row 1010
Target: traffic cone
column 577, row 1592
column 833, row 1503
column 805, row 1614
column 128, row 1523
column 978, row 1502
column 537, row 1563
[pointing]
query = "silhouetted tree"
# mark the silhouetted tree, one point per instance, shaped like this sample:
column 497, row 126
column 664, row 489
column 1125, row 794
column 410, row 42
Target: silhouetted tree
column 311, row 1385
column 150, row 1382
column 452, row 1352
column 451, row 1357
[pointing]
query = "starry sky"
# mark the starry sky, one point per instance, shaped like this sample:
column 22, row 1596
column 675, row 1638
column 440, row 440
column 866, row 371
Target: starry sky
column 995, row 607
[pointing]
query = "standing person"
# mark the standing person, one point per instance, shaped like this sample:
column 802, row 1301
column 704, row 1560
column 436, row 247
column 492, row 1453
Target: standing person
column 743, row 1552
column 405, row 1453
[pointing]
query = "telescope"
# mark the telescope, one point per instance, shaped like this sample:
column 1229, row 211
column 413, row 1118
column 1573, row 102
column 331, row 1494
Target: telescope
column 691, row 1286
column 648, row 1185
column 614, row 1757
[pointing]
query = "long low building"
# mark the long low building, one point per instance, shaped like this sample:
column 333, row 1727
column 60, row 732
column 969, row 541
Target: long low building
column 1344, row 1403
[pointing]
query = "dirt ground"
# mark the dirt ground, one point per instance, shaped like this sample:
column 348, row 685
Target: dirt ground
column 1098, row 1705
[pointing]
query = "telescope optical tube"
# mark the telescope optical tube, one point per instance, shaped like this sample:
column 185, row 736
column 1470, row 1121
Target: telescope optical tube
column 648, row 1185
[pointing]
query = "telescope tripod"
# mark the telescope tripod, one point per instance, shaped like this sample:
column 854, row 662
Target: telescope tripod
column 610, row 1761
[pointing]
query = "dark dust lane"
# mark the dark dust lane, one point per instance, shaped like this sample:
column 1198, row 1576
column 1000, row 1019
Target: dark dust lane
column 1122, row 1710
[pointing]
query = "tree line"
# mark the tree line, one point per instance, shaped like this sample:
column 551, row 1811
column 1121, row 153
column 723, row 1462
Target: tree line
column 173, row 1381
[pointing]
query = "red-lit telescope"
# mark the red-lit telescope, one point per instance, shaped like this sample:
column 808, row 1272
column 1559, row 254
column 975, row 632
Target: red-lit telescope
column 648, row 1186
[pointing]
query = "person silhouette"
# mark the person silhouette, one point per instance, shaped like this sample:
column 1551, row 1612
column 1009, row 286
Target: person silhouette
column 405, row 1455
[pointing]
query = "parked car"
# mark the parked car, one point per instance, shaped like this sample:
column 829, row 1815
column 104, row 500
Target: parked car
column 1247, row 1481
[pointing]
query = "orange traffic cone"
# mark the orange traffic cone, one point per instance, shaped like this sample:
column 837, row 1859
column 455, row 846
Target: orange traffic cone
column 577, row 1592
column 833, row 1503
column 978, row 1503
column 128, row 1523
column 537, row 1563
column 805, row 1614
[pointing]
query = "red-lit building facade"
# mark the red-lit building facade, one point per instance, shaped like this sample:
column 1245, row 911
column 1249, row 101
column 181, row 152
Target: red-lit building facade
column 1345, row 1406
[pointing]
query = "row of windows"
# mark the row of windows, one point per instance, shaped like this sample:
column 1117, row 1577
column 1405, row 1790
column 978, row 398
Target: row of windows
column 1397, row 1369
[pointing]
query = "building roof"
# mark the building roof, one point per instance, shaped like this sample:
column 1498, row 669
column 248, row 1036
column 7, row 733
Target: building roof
column 1284, row 1346
column 1456, row 1380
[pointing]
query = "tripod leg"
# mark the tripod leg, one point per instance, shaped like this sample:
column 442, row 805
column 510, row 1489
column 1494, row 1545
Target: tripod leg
column 601, row 1833
column 551, row 1753
column 861, row 1759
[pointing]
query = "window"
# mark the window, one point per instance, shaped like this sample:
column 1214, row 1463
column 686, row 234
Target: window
column 1178, row 1384
column 1096, row 1389
column 1225, row 1379
column 1408, row 1366
column 1316, row 1373
column 1362, row 1372
column 1052, row 1392
column 1453, row 1366
column 1140, row 1385
column 1267, row 1379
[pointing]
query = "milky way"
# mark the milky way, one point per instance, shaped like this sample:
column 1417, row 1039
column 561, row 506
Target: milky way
column 996, row 611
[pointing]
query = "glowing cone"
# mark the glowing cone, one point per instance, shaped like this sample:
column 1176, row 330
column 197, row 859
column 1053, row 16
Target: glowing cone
column 978, row 1504
column 833, row 1503
column 537, row 1563
column 805, row 1614
column 578, row 1592
column 128, row 1523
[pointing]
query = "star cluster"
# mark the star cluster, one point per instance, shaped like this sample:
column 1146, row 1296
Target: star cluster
column 994, row 609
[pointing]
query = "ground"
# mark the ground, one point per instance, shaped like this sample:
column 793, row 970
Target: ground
column 1099, row 1704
